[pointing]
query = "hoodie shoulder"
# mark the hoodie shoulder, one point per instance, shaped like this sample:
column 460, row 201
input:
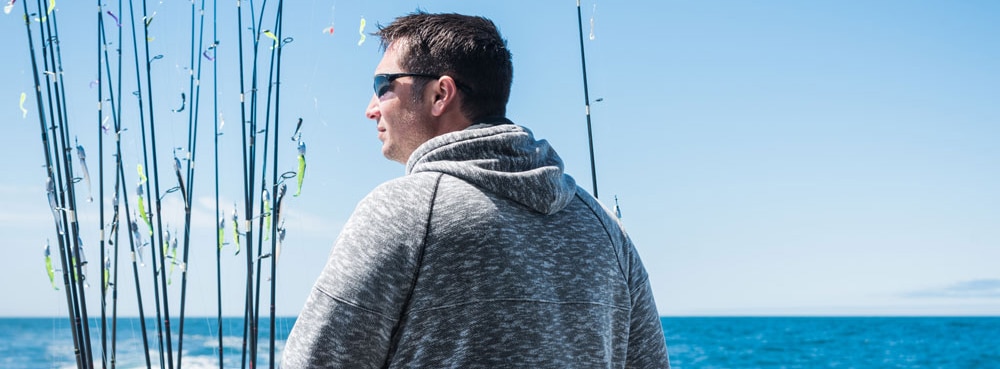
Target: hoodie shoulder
column 505, row 160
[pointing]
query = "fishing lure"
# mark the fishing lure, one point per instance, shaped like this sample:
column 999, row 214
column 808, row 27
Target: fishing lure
column 166, row 242
column 298, row 131
column 236, row 230
column 82, row 265
column 281, row 239
column 142, row 174
column 332, row 18
column 266, row 197
column 107, row 273
column 594, row 14
column 86, row 174
column 24, row 112
column 115, row 17
column 172, row 245
column 279, row 204
column 180, row 181
column 51, row 189
column 104, row 125
column 149, row 19
column 48, row 265
column 142, row 208
column 271, row 35
column 183, row 103
column 137, row 239
column 222, row 229
column 205, row 54
column 618, row 210
column 302, row 167
column 10, row 6
column 362, row 32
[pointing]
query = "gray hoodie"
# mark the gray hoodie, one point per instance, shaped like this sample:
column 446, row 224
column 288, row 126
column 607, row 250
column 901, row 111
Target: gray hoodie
column 485, row 254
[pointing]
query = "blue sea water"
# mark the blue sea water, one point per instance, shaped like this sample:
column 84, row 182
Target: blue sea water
column 708, row 342
column 847, row 342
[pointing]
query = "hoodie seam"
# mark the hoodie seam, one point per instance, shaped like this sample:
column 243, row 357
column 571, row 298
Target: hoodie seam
column 608, row 233
column 394, row 338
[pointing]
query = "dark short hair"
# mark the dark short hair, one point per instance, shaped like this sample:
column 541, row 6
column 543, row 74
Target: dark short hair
column 467, row 48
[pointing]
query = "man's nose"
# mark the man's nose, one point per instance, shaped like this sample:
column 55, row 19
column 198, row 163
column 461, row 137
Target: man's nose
column 372, row 112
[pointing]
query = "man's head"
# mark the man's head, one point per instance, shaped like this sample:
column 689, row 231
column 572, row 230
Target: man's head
column 440, row 72
column 469, row 49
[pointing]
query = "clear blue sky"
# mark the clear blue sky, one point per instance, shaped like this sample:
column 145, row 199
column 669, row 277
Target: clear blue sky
column 770, row 158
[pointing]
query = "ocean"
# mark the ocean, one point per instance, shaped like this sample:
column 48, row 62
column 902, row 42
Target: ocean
column 701, row 342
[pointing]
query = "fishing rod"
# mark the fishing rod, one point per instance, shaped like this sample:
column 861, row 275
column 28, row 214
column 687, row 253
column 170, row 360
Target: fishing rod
column 52, row 178
column 274, row 181
column 100, row 186
column 77, row 259
column 156, row 190
column 215, row 139
column 119, row 168
column 249, row 169
column 143, row 213
column 243, row 120
column 192, row 145
column 134, row 241
column 134, row 249
column 586, row 100
column 265, row 213
column 243, row 125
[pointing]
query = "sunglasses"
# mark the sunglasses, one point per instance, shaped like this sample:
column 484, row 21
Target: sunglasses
column 384, row 81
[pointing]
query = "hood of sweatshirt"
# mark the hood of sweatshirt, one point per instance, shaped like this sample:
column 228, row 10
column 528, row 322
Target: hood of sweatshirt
column 504, row 159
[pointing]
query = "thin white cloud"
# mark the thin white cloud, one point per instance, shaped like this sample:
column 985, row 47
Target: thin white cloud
column 976, row 288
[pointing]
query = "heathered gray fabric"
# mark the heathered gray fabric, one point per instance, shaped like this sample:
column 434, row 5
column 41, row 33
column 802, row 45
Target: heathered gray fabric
column 485, row 254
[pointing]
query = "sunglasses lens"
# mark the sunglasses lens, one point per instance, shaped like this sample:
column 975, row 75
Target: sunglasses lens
column 381, row 85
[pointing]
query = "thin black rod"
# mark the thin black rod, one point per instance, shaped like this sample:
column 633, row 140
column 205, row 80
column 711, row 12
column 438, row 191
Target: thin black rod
column 243, row 128
column 116, row 227
column 158, row 199
column 145, row 168
column 215, row 139
column 195, row 93
column 76, row 255
column 100, row 188
column 586, row 100
column 52, row 180
column 274, row 181
column 134, row 249
column 121, row 192
column 271, row 88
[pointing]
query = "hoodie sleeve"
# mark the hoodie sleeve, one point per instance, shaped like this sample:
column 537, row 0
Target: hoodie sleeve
column 355, row 305
column 647, row 347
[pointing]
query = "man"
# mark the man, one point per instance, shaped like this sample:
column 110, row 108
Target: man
column 485, row 254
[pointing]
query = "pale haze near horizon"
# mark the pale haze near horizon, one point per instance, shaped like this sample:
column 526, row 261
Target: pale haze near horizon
column 775, row 158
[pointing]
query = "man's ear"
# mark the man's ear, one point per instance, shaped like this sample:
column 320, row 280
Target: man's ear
column 445, row 96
